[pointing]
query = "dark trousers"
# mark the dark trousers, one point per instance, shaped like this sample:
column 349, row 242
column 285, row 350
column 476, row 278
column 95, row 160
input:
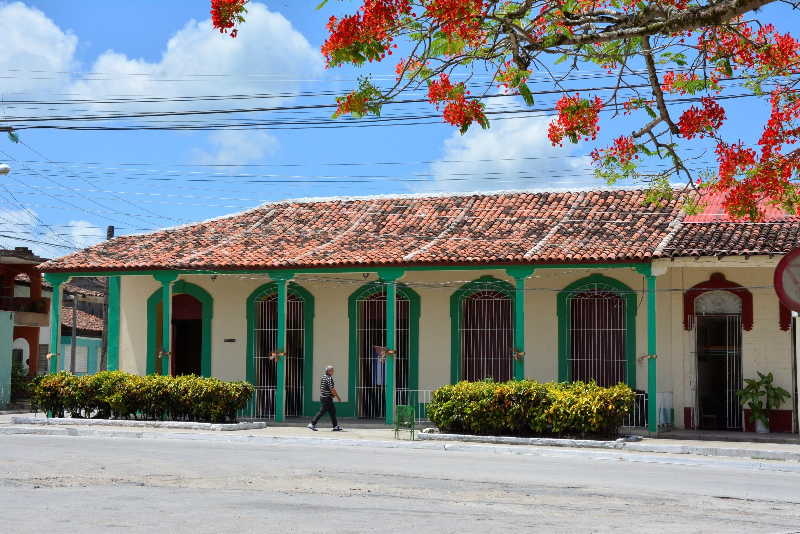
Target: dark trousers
column 326, row 405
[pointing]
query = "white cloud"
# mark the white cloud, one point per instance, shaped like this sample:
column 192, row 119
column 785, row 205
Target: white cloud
column 31, row 43
column 268, row 56
column 511, row 154
column 21, row 228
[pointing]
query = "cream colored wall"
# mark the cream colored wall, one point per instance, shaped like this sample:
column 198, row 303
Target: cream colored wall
column 134, row 292
column 765, row 348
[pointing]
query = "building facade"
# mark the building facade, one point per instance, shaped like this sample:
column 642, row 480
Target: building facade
column 403, row 295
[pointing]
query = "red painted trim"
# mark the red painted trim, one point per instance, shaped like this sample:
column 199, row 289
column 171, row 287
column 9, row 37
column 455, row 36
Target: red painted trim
column 717, row 281
column 777, row 279
column 31, row 335
column 779, row 421
column 688, row 418
column 785, row 319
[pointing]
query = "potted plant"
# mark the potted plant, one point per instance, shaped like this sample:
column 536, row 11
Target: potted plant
column 761, row 397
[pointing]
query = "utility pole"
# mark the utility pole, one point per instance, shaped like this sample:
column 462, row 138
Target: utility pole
column 104, row 345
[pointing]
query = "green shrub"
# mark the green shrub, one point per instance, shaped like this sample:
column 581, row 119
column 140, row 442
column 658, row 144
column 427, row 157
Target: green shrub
column 526, row 407
column 114, row 394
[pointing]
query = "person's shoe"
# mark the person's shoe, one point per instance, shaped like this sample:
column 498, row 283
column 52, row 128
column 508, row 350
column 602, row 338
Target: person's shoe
column 312, row 426
column 337, row 428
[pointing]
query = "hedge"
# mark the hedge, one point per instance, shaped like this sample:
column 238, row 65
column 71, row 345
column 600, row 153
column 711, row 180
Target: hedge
column 526, row 407
column 114, row 394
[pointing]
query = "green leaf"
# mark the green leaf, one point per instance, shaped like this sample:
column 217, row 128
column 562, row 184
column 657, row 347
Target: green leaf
column 526, row 93
column 322, row 4
column 562, row 59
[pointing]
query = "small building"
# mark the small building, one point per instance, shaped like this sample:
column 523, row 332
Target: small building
column 404, row 294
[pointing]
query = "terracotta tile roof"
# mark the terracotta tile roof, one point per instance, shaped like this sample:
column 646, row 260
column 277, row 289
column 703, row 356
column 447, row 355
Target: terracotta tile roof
column 581, row 227
column 86, row 322
column 68, row 288
column 502, row 228
column 734, row 239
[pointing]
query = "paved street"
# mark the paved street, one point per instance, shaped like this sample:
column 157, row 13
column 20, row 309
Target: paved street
column 71, row 484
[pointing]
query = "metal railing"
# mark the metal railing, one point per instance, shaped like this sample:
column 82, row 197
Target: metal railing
column 261, row 406
column 24, row 304
column 637, row 418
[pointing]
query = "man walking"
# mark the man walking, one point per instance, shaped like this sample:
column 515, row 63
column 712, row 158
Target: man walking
column 327, row 392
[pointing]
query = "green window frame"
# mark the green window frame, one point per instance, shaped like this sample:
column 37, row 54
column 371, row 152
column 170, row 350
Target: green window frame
column 484, row 283
column 364, row 292
column 181, row 287
column 295, row 289
column 565, row 323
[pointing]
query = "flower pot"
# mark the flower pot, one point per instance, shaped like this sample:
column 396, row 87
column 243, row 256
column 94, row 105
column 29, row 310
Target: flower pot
column 761, row 428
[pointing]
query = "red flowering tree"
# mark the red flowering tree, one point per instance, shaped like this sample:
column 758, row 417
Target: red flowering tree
column 676, row 64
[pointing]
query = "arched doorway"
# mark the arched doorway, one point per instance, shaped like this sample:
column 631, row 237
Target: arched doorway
column 483, row 322
column 192, row 311
column 368, row 335
column 597, row 332
column 187, row 335
column 718, row 342
column 262, row 367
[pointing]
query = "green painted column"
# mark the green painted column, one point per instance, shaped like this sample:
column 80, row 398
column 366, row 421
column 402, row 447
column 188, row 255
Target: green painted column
column 166, row 279
column 112, row 351
column 520, row 274
column 56, row 280
column 652, row 381
column 281, row 283
column 390, row 280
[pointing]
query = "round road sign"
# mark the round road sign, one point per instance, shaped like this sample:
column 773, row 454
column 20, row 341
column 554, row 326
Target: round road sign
column 787, row 280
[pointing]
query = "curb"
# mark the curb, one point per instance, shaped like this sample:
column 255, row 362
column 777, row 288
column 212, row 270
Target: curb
column 443, row 442
column 182, row 425
column 622, row 444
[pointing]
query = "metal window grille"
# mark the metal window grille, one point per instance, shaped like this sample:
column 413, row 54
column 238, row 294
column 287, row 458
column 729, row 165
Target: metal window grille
column 597, row 335
column 487, row 336
column 718, row 344
column 371, row 367
column 266, row 367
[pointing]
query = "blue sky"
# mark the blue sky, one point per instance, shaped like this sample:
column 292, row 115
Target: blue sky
column 66, row 186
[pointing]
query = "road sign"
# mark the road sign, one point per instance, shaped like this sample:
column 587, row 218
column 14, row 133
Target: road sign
column 787, row 280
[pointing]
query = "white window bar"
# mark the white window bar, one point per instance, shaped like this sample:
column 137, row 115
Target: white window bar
column 487, row 337
column 266, row 338
column 718, row 338
column 597, row 335
column 371, row 367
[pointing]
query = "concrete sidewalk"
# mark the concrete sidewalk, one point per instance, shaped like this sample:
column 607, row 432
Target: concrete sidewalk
column 384, row 437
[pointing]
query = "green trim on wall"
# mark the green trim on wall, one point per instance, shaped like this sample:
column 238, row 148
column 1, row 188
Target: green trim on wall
column 55, row 280
column 364, row 292
column 481, row 284
column 112, row 350
column 206, row 300
column 565, row 319
column 299, row 291
column 652, row 361
column 92, row 346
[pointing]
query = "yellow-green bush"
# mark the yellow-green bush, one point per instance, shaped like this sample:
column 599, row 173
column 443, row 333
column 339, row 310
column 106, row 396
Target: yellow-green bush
column 114, row 394
column 526, row 407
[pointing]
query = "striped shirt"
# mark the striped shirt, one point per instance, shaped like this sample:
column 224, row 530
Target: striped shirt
column 325, row 386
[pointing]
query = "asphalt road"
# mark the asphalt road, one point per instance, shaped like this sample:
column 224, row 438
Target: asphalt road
column 76, row 484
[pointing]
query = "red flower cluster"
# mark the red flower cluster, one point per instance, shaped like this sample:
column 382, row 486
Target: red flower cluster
column 623, row 151
column 460, row 18
column 676, row 83
column 225, row 14
column 367, row 35
column 577, row 117
column 762, row 49
column 458, row 111
column 748, row 178
column 696, row 122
